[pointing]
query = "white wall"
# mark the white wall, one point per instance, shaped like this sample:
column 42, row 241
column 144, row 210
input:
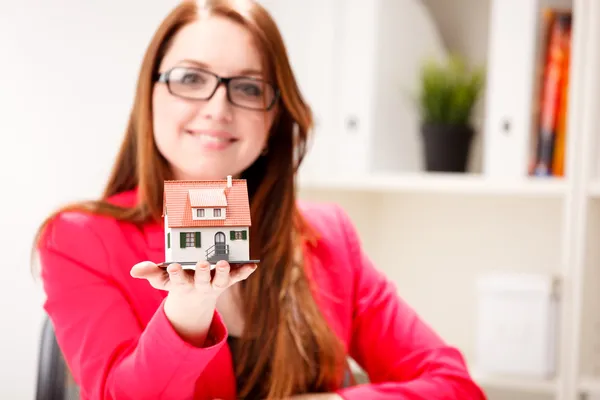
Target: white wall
column 67, row 76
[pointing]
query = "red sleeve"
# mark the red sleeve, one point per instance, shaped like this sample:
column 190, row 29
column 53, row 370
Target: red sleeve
column 109, row 353
column 403, row 357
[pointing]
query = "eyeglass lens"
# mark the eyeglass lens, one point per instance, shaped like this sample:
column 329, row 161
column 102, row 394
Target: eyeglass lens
column 198, row 84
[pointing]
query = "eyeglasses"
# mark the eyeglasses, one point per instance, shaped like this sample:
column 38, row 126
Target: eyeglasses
column 199, row 84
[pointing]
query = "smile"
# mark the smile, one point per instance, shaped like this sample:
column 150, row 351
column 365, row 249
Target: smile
column 214, row 140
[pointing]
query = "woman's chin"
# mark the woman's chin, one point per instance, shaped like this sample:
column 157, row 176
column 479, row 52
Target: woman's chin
column 204, row 175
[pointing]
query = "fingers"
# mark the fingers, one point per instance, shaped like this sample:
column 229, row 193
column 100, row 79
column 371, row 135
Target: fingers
column 243, row 272
column 221, row 279
column 202, row 275
column 177, row 276
column 156, row 276
column 145, row 270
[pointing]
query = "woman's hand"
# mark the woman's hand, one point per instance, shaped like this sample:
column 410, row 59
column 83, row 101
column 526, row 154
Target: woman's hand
column 192, row 298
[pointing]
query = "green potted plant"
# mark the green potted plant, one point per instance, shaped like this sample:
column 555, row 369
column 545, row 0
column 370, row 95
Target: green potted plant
column 449, row 93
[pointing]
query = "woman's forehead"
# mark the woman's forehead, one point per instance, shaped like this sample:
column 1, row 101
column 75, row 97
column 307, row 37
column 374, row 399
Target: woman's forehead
column 225, row 47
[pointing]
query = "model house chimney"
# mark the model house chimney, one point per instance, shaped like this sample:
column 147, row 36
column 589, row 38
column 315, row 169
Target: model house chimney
column 229, row 181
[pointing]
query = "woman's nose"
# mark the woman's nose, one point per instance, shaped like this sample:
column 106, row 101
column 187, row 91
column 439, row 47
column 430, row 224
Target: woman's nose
column 218, row 106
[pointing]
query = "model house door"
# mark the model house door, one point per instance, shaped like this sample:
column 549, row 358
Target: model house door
column 220, row 245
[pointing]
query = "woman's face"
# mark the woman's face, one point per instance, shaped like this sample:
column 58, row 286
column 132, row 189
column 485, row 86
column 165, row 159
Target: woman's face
column 211, row 138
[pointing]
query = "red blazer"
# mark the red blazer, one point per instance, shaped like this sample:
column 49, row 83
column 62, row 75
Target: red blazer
column 119, row 344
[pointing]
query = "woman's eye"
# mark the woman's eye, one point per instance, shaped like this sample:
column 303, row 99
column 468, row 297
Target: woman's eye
column 191, row 79
column 250, row 89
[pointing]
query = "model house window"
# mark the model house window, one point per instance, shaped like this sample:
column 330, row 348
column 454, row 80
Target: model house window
column 169, row 240
column 238, row 235
column 200, row 213
column 190, row 239
column 217, row 212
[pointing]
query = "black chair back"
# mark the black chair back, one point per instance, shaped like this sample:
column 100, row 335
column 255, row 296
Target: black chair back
column 52, row 370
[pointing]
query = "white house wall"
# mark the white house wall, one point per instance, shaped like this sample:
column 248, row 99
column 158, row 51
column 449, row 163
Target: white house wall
column 168, row 251
column 239, row 250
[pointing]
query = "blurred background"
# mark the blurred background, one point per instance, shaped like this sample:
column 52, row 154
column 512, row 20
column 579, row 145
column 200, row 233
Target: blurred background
column 460, row 136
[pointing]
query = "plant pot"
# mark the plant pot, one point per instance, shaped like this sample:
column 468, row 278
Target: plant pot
column 446, row 147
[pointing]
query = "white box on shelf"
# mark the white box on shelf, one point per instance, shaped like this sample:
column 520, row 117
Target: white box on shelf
column 512, row 55
column 358, row 65
column 517, row 324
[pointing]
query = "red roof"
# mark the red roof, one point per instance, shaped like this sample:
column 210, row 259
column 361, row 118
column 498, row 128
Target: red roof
column 208, row 198
column 181, row 196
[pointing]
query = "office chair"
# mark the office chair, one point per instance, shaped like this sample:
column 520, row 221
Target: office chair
column 53, row 376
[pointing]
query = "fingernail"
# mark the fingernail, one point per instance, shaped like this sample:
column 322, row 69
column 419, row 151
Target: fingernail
column 172, row 270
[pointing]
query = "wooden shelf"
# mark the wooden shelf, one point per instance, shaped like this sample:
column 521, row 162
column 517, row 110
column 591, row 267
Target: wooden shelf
column 442, row 183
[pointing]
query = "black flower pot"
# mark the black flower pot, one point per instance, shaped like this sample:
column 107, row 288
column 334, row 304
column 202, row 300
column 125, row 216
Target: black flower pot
column 446, row 147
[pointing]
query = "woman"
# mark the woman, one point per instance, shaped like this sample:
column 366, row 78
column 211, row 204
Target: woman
column 216, row 97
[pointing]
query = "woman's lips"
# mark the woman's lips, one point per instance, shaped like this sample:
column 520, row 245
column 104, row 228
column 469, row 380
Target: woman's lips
column 212, row 140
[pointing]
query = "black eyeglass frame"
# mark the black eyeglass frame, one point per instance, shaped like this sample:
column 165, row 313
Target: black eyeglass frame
column 163, row 77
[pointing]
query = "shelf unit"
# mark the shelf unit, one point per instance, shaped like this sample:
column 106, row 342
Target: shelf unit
column 449, row 228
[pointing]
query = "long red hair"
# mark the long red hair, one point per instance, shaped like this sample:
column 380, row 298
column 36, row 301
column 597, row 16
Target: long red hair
column 287, row 346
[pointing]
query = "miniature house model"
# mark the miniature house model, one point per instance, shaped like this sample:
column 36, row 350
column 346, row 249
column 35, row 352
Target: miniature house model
column 206, row 220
